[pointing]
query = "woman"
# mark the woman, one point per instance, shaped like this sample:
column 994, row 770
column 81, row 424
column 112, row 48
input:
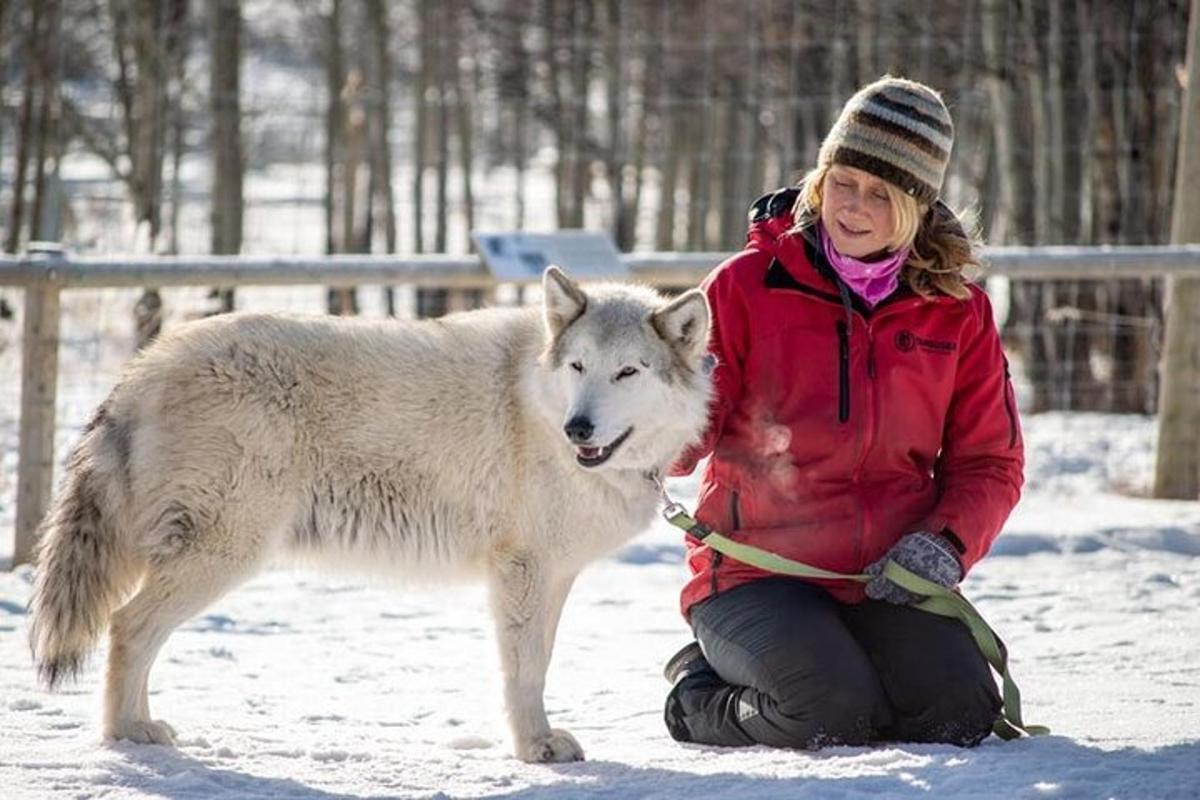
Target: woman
column 863, row 412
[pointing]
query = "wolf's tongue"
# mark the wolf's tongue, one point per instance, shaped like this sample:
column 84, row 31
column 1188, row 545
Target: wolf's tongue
column 589, row 452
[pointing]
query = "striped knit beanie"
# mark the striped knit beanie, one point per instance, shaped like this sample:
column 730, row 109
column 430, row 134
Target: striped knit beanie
column 897, row 130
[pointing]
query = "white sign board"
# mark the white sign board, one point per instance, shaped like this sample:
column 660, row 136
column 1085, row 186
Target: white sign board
column 519, row 257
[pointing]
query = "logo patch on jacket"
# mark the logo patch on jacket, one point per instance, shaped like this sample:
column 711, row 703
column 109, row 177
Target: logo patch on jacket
column 906, row 341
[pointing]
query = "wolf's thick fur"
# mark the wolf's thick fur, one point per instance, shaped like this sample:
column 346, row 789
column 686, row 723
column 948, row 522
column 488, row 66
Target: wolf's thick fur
column 473, row 444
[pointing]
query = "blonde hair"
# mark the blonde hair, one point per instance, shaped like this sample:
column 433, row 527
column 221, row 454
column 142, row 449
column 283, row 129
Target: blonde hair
column 942, row 253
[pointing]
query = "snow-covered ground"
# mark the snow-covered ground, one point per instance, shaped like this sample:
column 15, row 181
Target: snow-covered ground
column 309, row 686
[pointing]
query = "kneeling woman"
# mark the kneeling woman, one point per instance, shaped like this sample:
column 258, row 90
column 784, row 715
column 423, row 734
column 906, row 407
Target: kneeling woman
column 863, row 412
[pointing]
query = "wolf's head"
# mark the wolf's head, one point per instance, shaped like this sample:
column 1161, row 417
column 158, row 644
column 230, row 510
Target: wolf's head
column 629, row 369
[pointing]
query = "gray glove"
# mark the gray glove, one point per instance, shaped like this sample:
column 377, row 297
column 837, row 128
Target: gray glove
column 926, row 554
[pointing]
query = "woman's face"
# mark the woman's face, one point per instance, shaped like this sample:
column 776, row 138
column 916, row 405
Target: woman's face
column 856, row 211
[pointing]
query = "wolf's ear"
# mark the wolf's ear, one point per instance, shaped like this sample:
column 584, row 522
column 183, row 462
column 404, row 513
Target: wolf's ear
column 562, row 300
column 683, row 323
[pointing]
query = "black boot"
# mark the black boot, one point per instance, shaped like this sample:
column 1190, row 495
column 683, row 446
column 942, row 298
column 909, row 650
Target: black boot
column 693, row 678
column 687, row 661
column 697, row 700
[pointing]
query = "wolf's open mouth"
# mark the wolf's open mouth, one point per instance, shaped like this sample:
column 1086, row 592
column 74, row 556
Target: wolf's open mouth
column 595, row 456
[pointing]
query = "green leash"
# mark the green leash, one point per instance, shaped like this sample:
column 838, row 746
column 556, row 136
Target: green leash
column 938, row 600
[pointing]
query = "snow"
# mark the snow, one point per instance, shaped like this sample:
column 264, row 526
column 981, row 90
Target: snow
column 309, row 686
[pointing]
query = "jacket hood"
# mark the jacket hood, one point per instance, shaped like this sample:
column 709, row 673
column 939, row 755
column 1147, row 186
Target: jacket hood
column 792, row 243
column 771, row 217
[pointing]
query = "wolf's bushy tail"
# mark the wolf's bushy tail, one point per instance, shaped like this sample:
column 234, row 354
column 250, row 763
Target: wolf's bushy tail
column 83, row 570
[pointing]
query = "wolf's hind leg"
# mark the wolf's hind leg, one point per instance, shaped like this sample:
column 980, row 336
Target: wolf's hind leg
column 527, row 604
column 139, row 629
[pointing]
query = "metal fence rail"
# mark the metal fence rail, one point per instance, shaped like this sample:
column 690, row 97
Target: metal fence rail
column 671, row 269
column 44, row 273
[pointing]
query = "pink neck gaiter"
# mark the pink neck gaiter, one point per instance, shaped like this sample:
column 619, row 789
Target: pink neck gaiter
column 870, row 280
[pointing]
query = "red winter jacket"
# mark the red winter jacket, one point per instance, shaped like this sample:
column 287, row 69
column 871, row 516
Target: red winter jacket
column 836, row 430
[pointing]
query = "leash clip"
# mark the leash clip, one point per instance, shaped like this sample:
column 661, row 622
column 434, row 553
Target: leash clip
column 671, row 509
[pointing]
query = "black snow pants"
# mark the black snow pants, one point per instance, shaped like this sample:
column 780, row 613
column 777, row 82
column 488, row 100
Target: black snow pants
column 792, row 667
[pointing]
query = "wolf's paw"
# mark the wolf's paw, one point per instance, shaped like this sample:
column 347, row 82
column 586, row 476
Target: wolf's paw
column 557, row 746
column 143, row 731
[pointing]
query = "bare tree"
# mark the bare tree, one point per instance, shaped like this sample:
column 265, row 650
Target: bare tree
column 1177, row 473
column 445, row 70
column 615, row 94
column 379, row 125
column 145, row 37
column 345, row 135
column 421, row 125
column 465, row 79
column 44, row 217
column 335, row 79
column 225, row 56
column 701, row 140
column 25, row 128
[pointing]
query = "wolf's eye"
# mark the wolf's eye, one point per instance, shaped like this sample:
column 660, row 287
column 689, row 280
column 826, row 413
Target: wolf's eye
column 626, row 372
column 577, row 366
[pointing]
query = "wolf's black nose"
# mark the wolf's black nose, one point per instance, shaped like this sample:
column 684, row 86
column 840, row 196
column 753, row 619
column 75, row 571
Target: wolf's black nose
column 579, row 429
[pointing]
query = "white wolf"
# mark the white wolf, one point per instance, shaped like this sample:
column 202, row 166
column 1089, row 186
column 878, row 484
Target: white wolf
column 491, row 443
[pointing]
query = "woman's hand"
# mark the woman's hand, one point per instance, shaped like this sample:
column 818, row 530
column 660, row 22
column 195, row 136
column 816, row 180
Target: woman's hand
column 926, row 554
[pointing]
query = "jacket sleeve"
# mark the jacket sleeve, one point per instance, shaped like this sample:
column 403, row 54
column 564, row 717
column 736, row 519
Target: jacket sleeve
column 981, row 467
column 728, row 342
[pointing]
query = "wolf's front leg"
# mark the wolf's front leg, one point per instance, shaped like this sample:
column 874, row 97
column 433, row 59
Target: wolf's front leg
column 527, row 603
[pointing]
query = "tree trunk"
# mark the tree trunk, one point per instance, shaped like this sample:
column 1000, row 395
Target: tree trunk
column 148, row 24
column 1177, row 472
column 616, row 107
column 46, row 138
column 340, row 165
column 421, row 122
column 149, row 100
column 702, row 140
column 1036, row 188
column 178, row 78
column 444, row 65
column 225, row 58
column 649, row 107
column 674, row 136
column 4, row 33
column 24, row 130
column 728, row 181
column 788, row 117
column 581, row 81
column 1000, row 215
column 379, row 32
column 1051, row 212
column 335, row 78
column 464, row 99
column 868, row 40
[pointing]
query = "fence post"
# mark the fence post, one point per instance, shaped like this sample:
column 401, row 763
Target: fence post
column 1177, row 472
column 39, row 386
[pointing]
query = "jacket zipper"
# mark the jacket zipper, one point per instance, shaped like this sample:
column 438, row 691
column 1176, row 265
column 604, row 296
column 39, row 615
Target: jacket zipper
column 843, row 372
column 1008, row 407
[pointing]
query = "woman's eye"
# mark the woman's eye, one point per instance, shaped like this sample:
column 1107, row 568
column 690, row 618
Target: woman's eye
column 577, row 366
column 626, row 372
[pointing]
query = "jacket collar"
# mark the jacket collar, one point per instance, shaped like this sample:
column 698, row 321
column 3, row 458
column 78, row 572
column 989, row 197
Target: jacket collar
column 799, row 263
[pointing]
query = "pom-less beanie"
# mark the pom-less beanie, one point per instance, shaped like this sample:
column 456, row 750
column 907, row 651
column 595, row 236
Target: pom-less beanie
column 898, row 130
